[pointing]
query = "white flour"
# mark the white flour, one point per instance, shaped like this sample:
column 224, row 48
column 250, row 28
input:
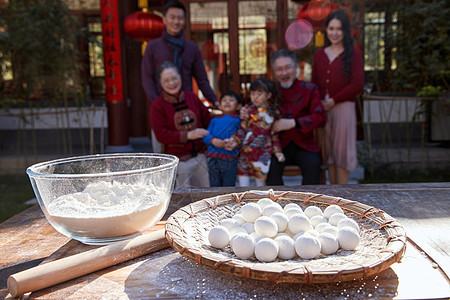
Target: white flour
column 106, row 209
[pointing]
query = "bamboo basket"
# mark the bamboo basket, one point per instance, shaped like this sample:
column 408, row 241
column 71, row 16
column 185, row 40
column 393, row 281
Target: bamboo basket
column 383, row 240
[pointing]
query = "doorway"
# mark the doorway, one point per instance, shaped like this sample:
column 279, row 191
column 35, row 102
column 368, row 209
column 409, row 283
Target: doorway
column 236, row 40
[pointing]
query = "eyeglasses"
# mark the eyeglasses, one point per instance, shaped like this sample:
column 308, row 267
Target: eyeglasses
column 170, row 80
column 286, row 68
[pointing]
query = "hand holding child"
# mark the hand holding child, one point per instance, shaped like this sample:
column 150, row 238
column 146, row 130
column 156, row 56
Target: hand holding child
column 218, row 143
column 283, row 124
column 197, row 133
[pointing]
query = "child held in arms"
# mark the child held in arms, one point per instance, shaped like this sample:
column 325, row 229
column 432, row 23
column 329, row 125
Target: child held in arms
column 255, row 136
column 222, row 163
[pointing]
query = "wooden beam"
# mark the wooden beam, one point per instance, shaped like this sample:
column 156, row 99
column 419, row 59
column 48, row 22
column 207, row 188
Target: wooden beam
column 233, row 42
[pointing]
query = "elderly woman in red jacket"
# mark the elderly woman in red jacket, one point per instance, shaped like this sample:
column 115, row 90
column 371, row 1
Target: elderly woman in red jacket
column 179, row 119
column 339, row 74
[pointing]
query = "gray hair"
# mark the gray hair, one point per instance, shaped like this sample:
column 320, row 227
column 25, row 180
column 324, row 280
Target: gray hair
column 283, row 53
column 167, row 65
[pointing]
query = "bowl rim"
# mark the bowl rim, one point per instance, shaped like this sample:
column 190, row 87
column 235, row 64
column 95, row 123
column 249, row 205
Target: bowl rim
column 172, row 162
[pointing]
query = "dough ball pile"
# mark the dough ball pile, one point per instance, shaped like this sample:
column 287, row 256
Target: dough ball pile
column 267, row 231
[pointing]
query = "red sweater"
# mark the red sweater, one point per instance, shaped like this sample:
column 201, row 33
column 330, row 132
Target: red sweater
column 331, row 78
column 171, row 119
column 302, row 102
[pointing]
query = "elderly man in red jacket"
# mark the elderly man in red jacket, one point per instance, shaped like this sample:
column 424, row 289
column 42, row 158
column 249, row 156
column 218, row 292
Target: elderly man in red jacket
column 301, row 113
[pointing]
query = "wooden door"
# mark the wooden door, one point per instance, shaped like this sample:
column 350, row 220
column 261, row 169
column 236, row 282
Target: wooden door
column 236, row 39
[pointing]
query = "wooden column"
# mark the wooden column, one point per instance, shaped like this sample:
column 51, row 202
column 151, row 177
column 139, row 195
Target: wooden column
column 233, row 42
column 282, row 23
column 136, row 97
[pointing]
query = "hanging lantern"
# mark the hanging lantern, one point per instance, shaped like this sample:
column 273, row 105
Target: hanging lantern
column 143, row 26
column 319, row 39
column 316, row 11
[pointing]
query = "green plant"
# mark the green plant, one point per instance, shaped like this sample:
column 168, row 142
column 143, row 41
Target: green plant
column 38, row 48
column 423, row 46
column 430, row 91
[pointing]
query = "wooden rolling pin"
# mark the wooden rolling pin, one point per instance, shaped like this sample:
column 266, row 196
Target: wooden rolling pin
column 67, row 268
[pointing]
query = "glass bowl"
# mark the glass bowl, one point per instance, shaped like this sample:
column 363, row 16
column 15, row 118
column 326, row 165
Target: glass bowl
column 100, row 199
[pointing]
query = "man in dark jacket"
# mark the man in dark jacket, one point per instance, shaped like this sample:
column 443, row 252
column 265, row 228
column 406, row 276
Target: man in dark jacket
column 172, row 46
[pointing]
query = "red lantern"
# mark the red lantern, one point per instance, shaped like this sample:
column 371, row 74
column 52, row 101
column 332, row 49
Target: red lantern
column 316, row 11
column 143, row 26
column 209, row 51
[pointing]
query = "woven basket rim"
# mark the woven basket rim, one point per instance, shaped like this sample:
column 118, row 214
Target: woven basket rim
column 295, row 271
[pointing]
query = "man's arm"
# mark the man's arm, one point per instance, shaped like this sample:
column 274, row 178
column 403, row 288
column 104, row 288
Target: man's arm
column 148, row 75
column 199, row 73
column 317, row 115
column 315, row 118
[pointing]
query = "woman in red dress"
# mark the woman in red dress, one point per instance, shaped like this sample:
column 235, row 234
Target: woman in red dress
column 339, row 74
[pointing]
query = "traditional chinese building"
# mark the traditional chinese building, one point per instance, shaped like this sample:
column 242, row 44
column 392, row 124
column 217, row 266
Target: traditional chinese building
column 236, row 39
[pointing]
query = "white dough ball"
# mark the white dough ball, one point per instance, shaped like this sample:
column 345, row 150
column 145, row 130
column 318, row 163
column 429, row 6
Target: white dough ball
column 281, row 219
column 299, row 222
column 331, row 229
column 243, row 245
column 319, row 227
column 240, row 219
column 266, row 250
column 348, row 238
column 314, row 232
column 307, row 246
column 317, row 219
column 250, row 212
column 281, row 234
column 289, row 232
column 219, row 236
column 229, row 223
column 293, row 211
column 331, row 210
column 328, row 243
column 286, row 249
column 263, row 202
column 299, row 234
column 335, row 218
column 266, row 226
column 271, row 209
column 256, row 237
column 291, row 205
column 236, row 230
column 250, row 227
column 348, row 222
column 312, row 211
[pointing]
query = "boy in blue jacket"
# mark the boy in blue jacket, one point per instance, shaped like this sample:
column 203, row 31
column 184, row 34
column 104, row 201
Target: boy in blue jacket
column 221, row 162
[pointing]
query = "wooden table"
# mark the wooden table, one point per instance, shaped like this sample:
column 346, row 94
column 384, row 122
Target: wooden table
column 27, row 240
